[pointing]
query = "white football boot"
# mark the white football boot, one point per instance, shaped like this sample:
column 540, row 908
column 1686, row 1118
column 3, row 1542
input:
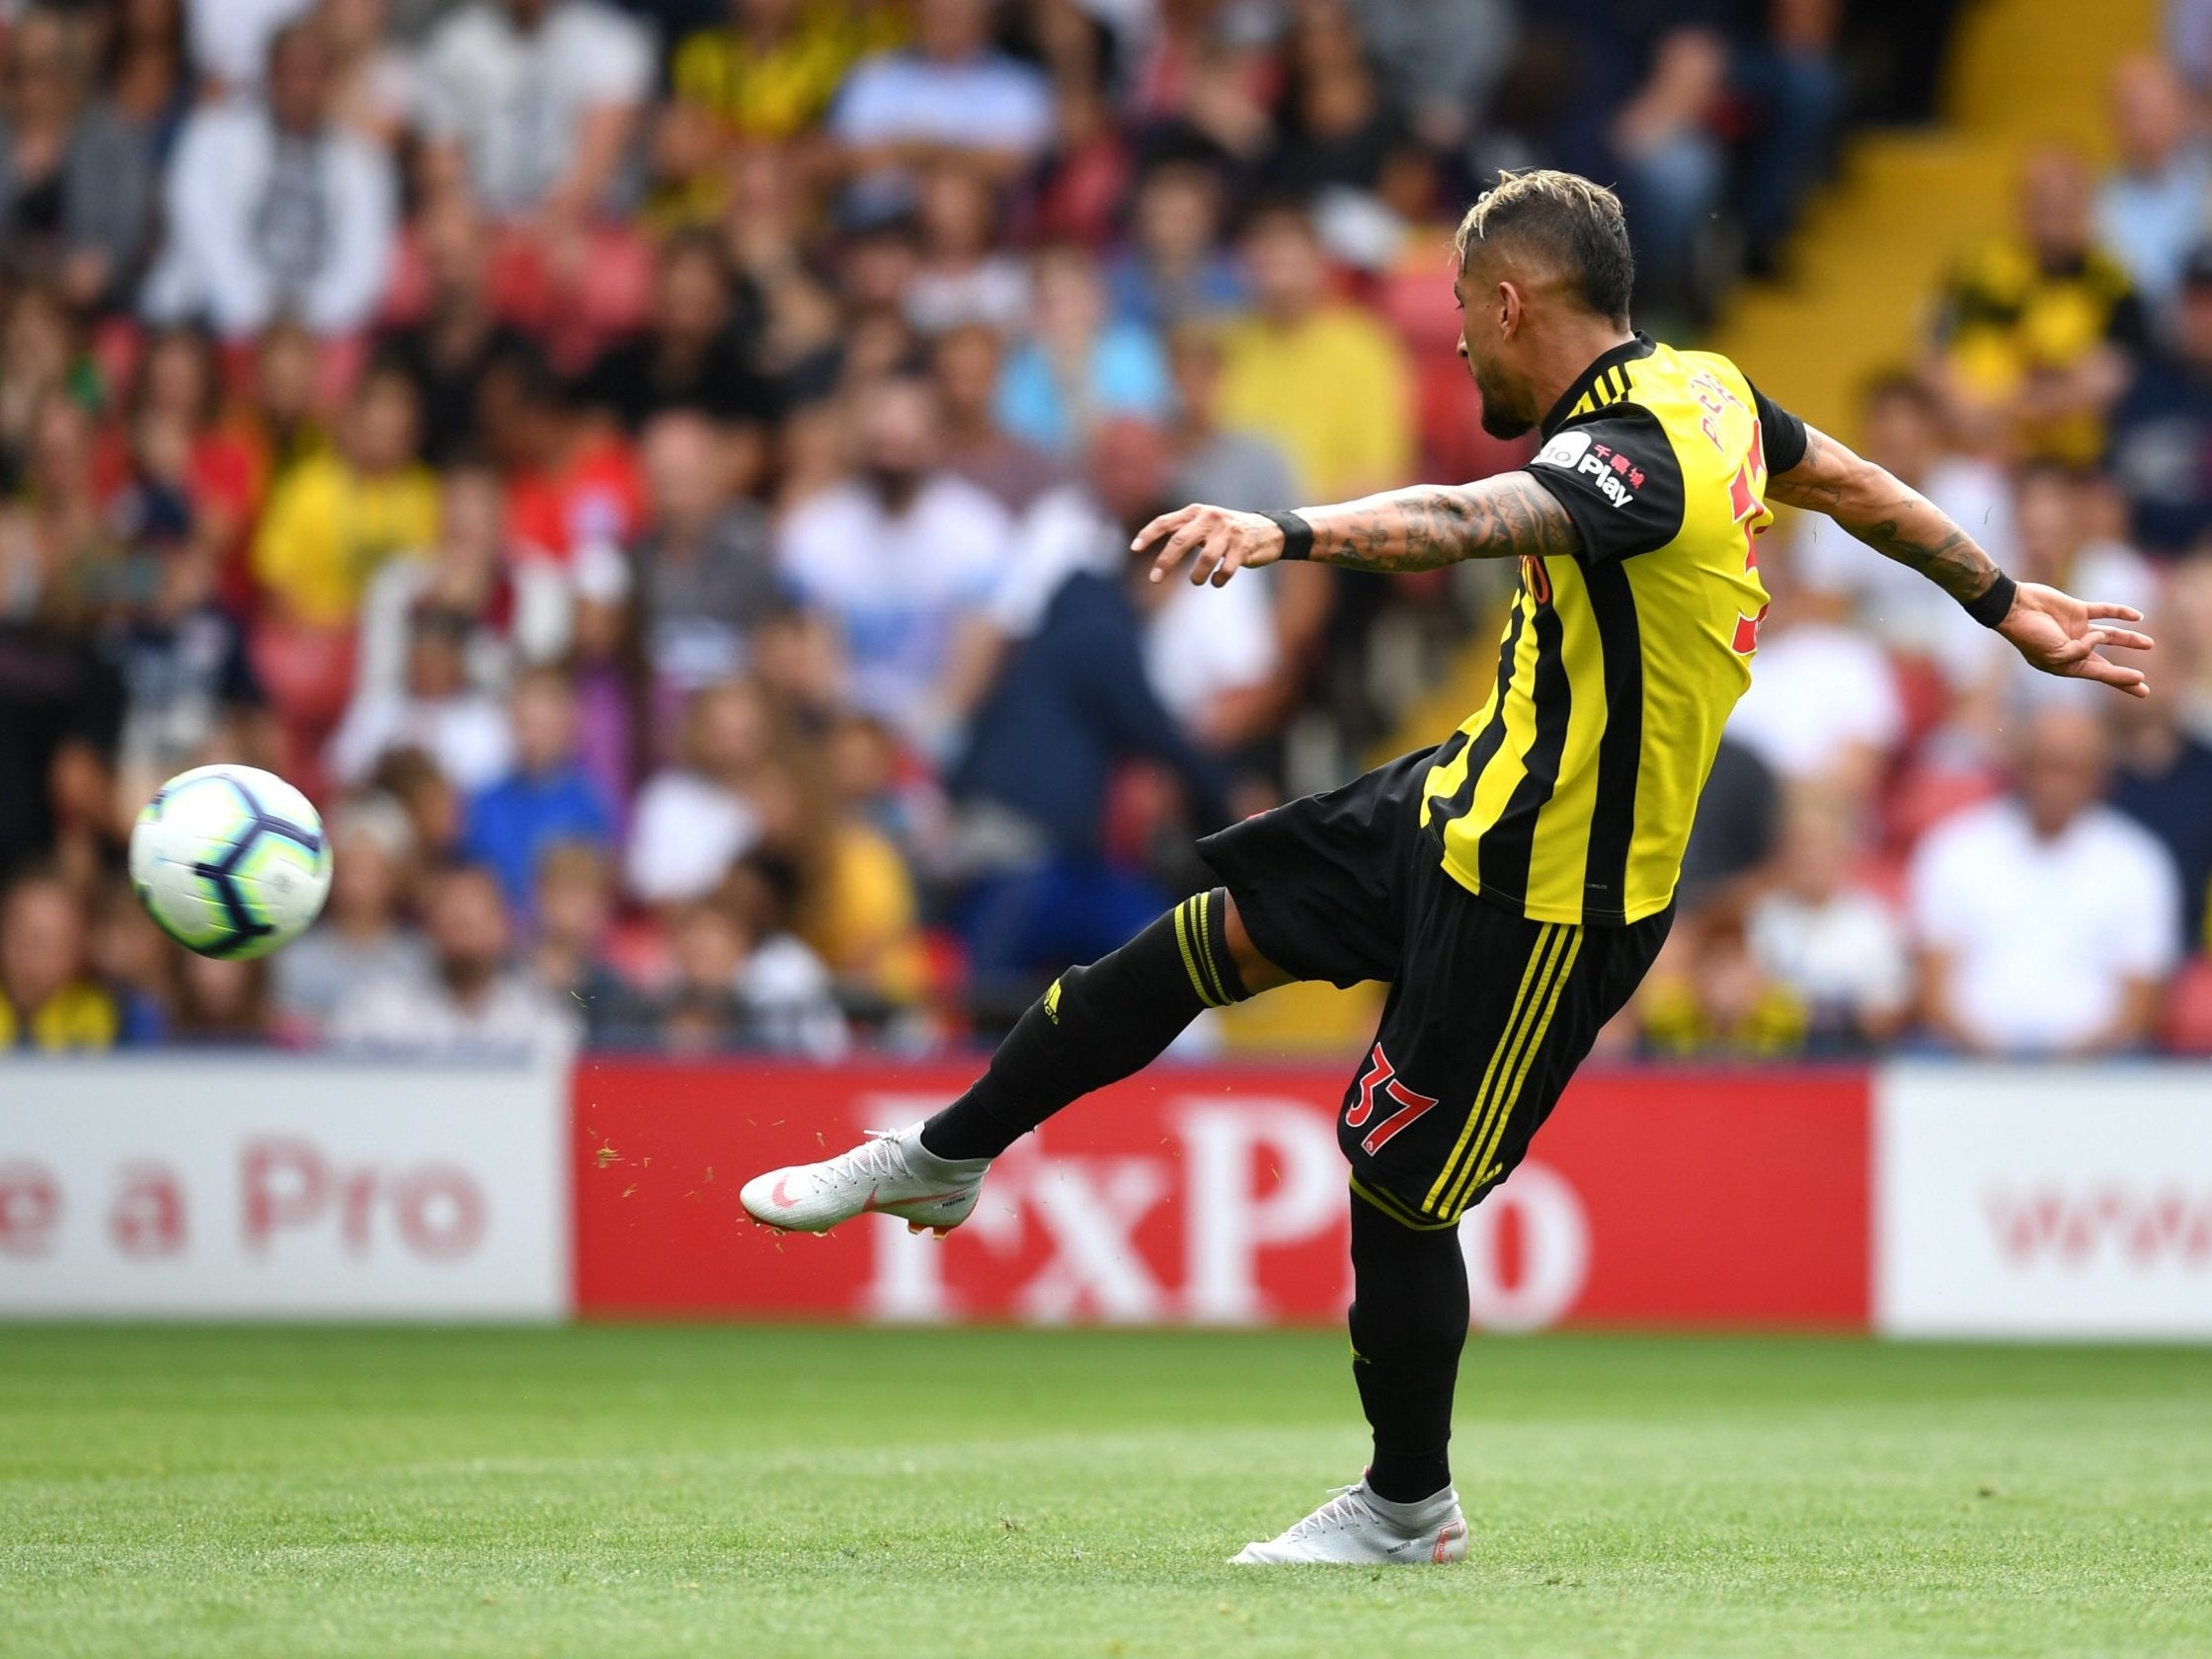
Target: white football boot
column 889, row 1173
column 1357, row 1529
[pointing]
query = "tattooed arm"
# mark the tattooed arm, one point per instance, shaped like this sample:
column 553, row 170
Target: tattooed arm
column 2056, row 632
column 1412, row 529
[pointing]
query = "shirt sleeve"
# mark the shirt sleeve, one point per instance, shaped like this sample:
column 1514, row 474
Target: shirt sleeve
column 1782, row 433
column 1618, row 480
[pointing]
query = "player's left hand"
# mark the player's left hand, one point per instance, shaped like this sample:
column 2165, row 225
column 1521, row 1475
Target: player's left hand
column 1226, row 541
column 2062, row 635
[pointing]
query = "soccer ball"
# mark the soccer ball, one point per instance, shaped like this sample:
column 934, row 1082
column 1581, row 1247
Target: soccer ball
column 230, row 861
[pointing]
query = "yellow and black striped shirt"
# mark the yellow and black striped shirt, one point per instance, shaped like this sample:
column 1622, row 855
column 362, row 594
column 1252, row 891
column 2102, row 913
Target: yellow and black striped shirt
column 1570, row 794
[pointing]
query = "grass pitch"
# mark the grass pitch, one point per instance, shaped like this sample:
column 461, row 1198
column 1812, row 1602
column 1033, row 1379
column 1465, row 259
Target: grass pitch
column 624, row 1493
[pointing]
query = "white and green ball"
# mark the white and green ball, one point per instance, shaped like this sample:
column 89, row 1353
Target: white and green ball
column 230, row 861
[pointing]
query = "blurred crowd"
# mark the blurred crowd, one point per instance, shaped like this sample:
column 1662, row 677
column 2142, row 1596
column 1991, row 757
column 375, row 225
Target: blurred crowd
column 660, row 476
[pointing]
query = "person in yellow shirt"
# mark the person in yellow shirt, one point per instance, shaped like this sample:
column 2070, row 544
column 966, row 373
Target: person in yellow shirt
column 767, row 76
column 46, row 1000
column 338, row 516
column 2037, row 327
column 1324, row 378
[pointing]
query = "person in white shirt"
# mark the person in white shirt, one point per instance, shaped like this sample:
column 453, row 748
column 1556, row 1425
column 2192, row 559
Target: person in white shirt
column 950, row 97
column 539, row 98
column 695, row 820
column 1823, row 705
column 436, row 708
column 904, row 560
column 273, row 211
column 473, row 1000
column 1837, row 948
column 2045, row 919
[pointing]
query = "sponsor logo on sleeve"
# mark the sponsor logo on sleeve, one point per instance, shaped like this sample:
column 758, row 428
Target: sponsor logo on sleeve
column 1610, row 473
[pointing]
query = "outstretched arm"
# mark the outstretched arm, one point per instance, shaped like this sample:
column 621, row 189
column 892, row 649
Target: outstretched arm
column 2056, row 632
column 1411, row 529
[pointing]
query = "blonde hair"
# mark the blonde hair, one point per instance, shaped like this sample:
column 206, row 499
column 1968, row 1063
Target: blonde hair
column 1577, row 221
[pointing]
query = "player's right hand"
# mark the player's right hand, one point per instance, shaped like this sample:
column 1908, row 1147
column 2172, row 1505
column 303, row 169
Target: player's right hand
column 2062, row 635
column 1225, row 540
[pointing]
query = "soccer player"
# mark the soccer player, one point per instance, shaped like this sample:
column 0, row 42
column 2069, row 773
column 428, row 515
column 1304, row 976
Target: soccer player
column 1514, row 883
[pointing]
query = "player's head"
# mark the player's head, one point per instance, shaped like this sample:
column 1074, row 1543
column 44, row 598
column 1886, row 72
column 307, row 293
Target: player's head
column 1543, row 254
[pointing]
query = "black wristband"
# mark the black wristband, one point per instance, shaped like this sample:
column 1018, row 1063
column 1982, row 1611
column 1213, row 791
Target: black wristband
column 1297, row 535
column 1995, row 603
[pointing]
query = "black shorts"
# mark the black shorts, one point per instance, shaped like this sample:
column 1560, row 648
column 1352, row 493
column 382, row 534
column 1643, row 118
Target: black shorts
column 1488, row 1013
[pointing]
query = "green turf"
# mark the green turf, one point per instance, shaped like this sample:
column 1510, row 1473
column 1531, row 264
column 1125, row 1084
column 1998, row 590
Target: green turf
column 621, row 1493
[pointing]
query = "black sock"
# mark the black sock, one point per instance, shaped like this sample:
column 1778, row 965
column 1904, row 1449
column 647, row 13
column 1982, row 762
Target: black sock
column 1095, row 1026
column 1409, row 1321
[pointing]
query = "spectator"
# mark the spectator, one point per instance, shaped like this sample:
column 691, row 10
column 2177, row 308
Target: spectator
column 572, row 488
column 1078, row 367
column 221, row 1003
column 1847, row 581
column 534, row 103
column 546, row 799
column 519, row 604
column 573, row 899
column 2151, row 205
column 1229, row 466
column 963, row 274
column 1439, row 60
column 965, row 363
column 1823, row 706
column 2161, row 453
column 950, row 96
column 2071, row 527
column 273, row 211
column 48, row 1001
column 130, row 957
column 146, row 74
column 2162, row 778
column 62, row 701
column 190, row 693
column 427, row 798
column 437, row 709
column 1322, row 378
column 1075, row 702
column 361, row 937
column 473, row 1000
column 447, row 353
column 231, row 38
column 1175, row 268
column 1339, row 129
column 338, row 517
column 689, row 355
column 372, row 79
column 178, row 391
column 1835, row 946
column 2037, row 327
column 765, row 76
column 1734, row 837
column 695, row 820
column 75, row 189
column 864, row 917
column 2046, row 921
column 706, row 573
column 903, row 559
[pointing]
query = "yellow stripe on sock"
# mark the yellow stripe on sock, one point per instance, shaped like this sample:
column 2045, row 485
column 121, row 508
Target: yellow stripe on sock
column 1491, row 1072
column 1190, row 961
column 1203, row 926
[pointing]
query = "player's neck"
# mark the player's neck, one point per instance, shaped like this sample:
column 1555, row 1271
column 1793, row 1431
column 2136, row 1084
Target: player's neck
column 1567, row 352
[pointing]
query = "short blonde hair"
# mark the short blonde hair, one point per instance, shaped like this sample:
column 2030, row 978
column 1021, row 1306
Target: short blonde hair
column 1576, row 220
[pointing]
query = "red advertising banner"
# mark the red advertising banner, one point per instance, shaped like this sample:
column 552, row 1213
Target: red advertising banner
column 1217, row 1195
